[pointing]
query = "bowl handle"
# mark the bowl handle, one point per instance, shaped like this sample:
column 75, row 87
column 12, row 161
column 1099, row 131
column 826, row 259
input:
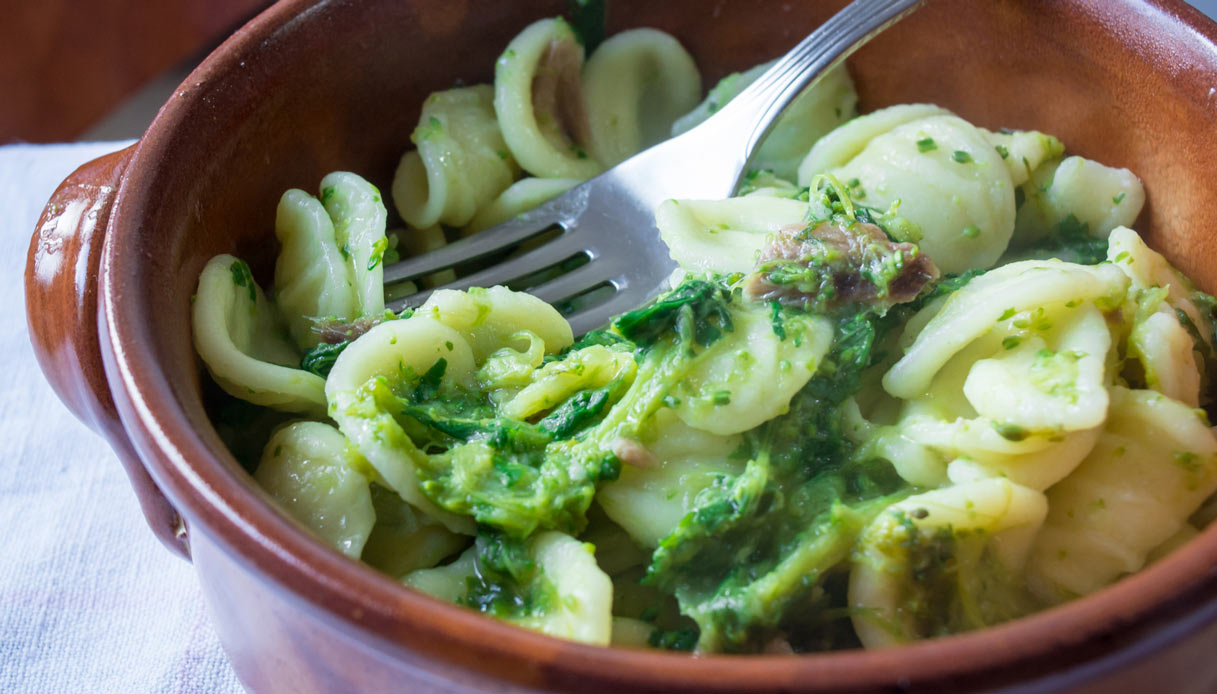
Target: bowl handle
column 61, row 309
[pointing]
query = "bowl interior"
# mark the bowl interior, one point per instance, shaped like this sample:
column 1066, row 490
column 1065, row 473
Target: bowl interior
column 313, row 87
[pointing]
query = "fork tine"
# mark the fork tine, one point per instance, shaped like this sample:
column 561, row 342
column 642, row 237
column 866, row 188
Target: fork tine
column 574, row 282
column 626, row 298
column 560, row 211
column 493, row 240
column 568, row 245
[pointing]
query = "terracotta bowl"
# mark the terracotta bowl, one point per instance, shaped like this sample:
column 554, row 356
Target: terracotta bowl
column 318, row 85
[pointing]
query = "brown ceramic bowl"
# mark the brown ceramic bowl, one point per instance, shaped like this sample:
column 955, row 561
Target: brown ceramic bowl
column 317, row 85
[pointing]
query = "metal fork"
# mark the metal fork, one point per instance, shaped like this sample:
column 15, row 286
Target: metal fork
column 608, row 222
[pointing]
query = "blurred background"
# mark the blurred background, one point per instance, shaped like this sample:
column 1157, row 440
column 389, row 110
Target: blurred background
column 100, row 69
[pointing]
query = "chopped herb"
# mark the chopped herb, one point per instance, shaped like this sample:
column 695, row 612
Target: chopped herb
column 776, row 318
column 242, row 277
column 1118, row 199
column 378, row 253
column 926, row 144
column 1011, row 432
column 961, row 156
column 1003, row 151
column 1011, row 342
column 971, row 231
column 1187, row 460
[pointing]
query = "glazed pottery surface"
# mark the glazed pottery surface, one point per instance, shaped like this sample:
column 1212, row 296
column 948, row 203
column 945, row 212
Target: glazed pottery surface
column 314, row 86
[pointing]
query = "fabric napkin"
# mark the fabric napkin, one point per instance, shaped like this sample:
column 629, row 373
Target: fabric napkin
column 89, row 599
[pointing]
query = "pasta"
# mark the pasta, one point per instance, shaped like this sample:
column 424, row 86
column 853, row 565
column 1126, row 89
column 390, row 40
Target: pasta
column 1154, row 463
column 310, row 470
column 462, row 161
column 637, row 83
column 240, row 337
column 917, row 377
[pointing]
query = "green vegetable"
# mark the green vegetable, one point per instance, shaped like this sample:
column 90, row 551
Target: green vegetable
column 587, row 21
column 242, row 277
column 955, row 584
column 506, row 582
column 759, row 543
column 320, row 359
column 577, row 412
column 1071, row 242
column 696, row 311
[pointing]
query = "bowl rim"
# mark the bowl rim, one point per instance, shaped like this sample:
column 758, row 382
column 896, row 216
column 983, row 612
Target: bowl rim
column 402, row 622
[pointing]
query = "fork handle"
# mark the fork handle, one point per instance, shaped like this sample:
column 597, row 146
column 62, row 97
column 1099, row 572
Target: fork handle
column 755, row 110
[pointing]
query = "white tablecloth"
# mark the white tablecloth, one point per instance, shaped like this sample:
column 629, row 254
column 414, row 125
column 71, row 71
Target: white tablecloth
column 89, row 599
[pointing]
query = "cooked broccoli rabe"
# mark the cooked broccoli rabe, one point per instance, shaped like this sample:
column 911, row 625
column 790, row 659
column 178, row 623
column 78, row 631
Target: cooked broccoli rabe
column 764, row 540
column 520, row 474
column 549, row 582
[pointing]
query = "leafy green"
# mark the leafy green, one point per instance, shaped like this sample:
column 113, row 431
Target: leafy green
column 696, row 311
column 587, row 20
column 683, row 639
column 320, row 359
column 759, row 543
column 954, row 582
column 1070, row 241
column 579, row 410
column 506, row 582
column 243, row 277
column 499, row 470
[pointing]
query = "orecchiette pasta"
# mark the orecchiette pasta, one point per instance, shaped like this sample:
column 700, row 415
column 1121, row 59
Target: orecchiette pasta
column 1153, row 465
column 1099, row 197
column 723, row 235
column 330, row 266
column 539, row 101
column 992, row 515
column 241, row 339
column 462, row 161
column 311, row 470
column 578, row 595
column 384, row 355
column 739, row 383
column 521, row 196
column 958, row 190
column 672, row 466
column 637, row 83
